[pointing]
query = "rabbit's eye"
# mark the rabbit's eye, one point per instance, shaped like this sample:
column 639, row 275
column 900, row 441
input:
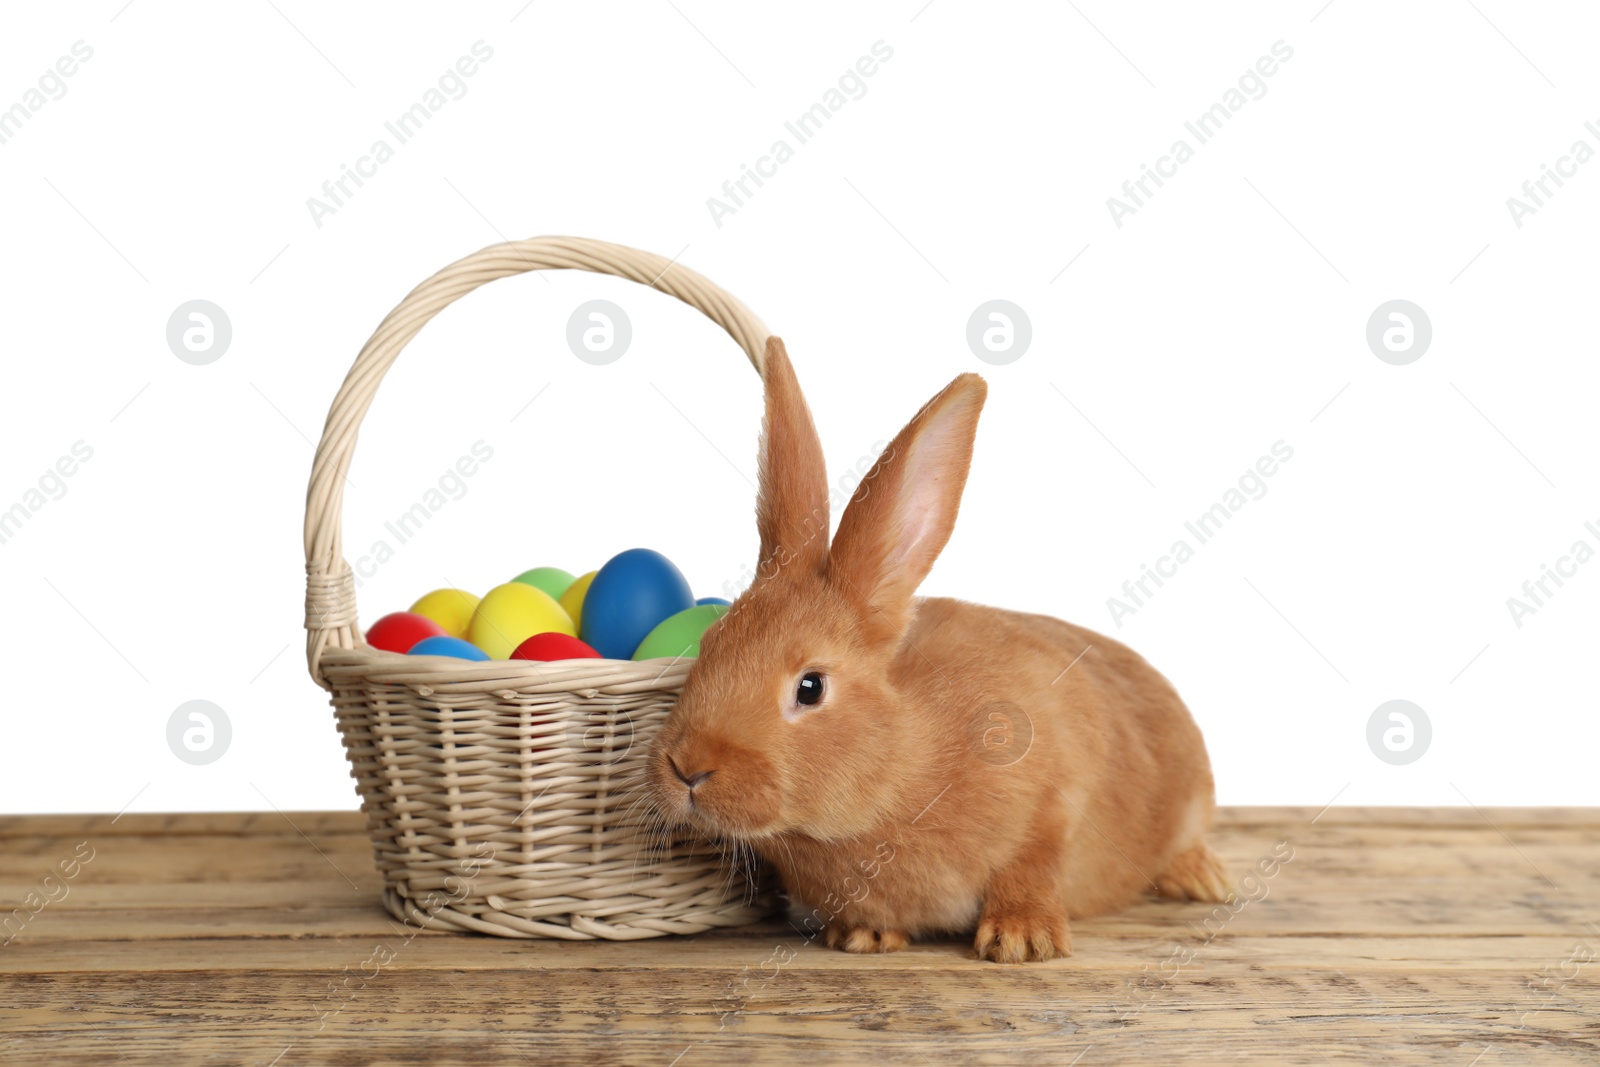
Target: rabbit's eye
column 809, row 691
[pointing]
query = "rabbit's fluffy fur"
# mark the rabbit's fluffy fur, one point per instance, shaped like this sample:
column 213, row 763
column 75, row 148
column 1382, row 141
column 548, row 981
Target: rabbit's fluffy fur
column 967, row 768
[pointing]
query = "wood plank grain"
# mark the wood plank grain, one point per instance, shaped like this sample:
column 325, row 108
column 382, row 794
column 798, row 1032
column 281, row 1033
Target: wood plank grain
column 996, row 1015
column 258, row 824
column 225, row 950
column 1360, row 906
column 1446, row 936
column 1411, row 851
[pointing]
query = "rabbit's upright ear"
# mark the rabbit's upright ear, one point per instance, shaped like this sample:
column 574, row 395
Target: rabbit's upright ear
column 792, row 504
column 902, row 513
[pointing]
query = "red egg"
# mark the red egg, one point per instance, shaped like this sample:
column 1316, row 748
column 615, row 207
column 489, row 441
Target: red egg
column 402, row 629
column 553, row 646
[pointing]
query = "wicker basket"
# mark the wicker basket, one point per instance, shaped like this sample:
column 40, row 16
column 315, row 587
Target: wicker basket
column 503, row 796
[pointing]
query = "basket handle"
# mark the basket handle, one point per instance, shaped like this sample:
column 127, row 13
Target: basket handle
column 331, row 619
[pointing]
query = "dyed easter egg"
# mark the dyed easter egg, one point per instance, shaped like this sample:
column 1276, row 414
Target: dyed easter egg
column 397, row 632
column 703, row 601
column 445, row 645
column 450, row 608
column 572, row 599
column 678, row 636
column 510, row 614
column 552, row 580
column 548, row 647
column 633, row 592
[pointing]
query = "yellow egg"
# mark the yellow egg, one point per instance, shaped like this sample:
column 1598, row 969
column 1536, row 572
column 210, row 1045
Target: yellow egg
column 572, row 599
column 510, row 614
column 450, row 608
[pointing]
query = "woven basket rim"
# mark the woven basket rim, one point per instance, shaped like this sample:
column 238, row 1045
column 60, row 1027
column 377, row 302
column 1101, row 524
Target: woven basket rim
column 365, row 653
column 365, row 664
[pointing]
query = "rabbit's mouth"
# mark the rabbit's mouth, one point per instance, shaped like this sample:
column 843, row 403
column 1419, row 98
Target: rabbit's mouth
column 724, row 789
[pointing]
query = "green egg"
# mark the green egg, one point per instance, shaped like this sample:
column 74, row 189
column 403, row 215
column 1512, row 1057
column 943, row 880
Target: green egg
column 678, row 636
column 552, row 580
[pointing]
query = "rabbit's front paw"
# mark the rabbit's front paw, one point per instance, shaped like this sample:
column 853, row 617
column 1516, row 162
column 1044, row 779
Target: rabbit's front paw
column 1007, row 936
column 864, row 938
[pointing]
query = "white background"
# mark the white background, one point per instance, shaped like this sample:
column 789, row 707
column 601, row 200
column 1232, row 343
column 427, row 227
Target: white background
column 1227, row 314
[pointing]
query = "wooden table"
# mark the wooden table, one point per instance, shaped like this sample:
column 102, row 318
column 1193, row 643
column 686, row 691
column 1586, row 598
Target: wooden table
column 1447, row 936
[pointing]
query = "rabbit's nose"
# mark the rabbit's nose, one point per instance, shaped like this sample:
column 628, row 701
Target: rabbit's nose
column 690, row 780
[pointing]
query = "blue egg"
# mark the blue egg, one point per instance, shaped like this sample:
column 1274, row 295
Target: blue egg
column 447, row 646
column 703, row 601
column 634, row 590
